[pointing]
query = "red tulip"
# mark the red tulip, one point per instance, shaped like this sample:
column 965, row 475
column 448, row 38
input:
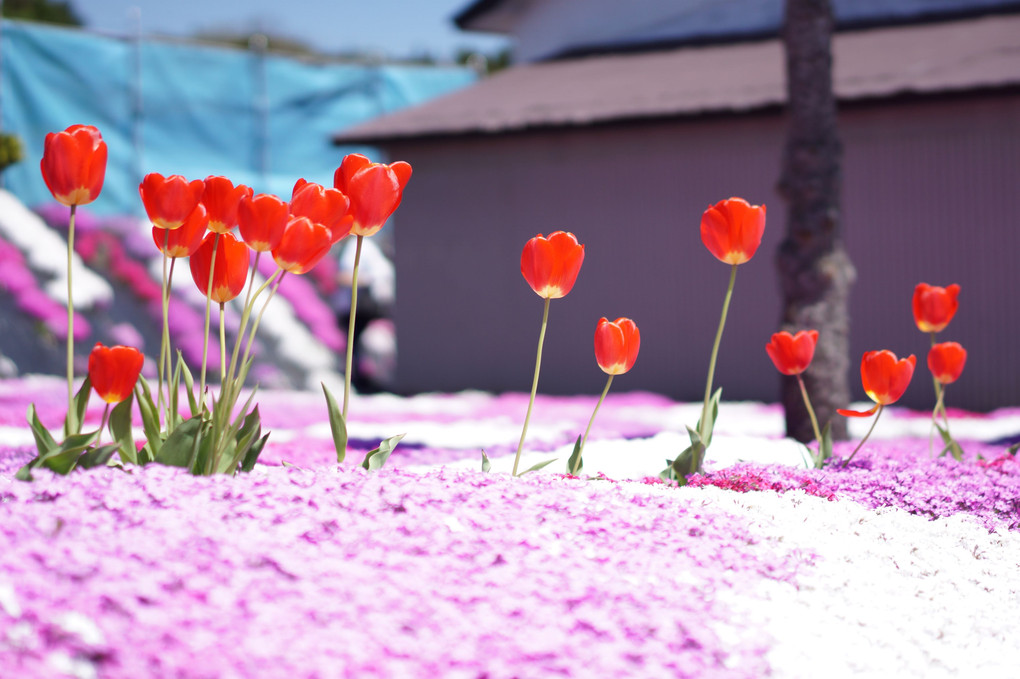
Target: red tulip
column 323, row 206
column 113, row 371
column 231, row 266
column 885, row 378
column 792, row 354
column 304, row 243
column 616, row 345
column 732, row 229
column 184, row 241
column 169, row 200
column 934, row 306
column 221, row 199
column 550, row 265
column 261, row 220
column 74, row 164
column 374, row 189
column 946, row 361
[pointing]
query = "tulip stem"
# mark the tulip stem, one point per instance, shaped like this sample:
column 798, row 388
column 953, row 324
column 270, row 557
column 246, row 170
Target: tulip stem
column 859, row 445
column 705, row 427
column 208, row 313
column 534, row 383
column 577, row 463
column 258, row 319
column 223, row 349
column 349, row 363
column 810, row 410
column 70, row 314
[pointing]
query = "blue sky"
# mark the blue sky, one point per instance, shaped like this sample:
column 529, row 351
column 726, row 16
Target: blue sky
column 397, row 28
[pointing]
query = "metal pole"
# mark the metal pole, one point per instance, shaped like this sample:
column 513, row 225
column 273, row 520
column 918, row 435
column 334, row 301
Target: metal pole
column 137, row 98
column 258, row 44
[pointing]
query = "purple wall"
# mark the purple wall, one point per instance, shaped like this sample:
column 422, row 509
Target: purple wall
column 930, row 194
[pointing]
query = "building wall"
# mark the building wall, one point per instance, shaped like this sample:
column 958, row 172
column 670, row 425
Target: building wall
column 930, row 194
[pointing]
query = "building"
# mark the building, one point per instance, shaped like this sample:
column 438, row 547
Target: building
column 626, row 146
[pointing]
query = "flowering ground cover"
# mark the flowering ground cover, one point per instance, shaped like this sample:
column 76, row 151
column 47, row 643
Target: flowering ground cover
column 899, row 565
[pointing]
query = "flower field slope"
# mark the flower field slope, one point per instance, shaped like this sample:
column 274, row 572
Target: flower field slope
column 900, row 565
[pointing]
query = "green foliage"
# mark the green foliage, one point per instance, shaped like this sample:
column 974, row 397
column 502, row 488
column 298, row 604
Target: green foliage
column 11, row 150
column 377, row 457
column 575, row 464
column 45, row 11
column 336, row 425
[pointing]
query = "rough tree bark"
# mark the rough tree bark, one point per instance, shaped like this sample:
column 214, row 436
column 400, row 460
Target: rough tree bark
column 814, row 270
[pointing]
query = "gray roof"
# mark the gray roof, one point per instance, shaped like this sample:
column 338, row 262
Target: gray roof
column 922, row 59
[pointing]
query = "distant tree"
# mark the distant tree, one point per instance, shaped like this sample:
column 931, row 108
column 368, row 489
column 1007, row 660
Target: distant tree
column 41, row 10
column 488, row 63
column 814, row 269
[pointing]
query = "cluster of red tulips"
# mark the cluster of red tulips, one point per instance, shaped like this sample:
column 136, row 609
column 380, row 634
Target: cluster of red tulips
column 195, row 219
column 884, row 376
column 550, row 266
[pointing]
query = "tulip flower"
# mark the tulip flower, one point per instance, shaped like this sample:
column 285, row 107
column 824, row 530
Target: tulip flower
column 616, row 345
column 946, row 361
column 616, row 348
column 221, row 198
column 374, row 190
column 885, row 378
column 219, row 268
column 184, row 241
column 113, row 371
column 731, row 230
column 792, row 354
column 550, row 266
column 304, row 243
column 324, row 206
column 169, row 200
column 73, row 166
column 230, row 271
column 934, row 306
column 261, row 220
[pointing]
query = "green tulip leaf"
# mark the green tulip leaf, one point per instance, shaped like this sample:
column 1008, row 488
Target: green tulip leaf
column 575, row 464
column 76, row 414
column 375, row 459
column 44, row 441
column 536, row 467
column 97, row 457
column 824, row 446
column 120, row 428
column 486, row 465
column 336, row 425
column 179, row 448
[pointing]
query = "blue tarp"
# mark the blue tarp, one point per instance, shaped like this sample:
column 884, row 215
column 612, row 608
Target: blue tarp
column 182, row 108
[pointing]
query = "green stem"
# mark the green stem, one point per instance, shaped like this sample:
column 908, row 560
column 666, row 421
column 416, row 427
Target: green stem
column 703, row 430
column 102, row 426
column 534, row 383
column 249, row 305
column 223, row 349
column 349, row 363
column 164, row 344
column 70, row 313
column 258, row 319
column 584, row 440
column 810, row 410
column 208, row 313
column 859, row 445
column 171, row 409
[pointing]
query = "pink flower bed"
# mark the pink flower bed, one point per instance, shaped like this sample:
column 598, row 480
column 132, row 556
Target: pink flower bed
column 323, row 571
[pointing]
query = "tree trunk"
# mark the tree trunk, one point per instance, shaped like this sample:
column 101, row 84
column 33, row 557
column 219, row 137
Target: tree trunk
column 814, row 270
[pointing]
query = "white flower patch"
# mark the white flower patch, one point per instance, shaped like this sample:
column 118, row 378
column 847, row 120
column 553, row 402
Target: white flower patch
column 46, row 251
